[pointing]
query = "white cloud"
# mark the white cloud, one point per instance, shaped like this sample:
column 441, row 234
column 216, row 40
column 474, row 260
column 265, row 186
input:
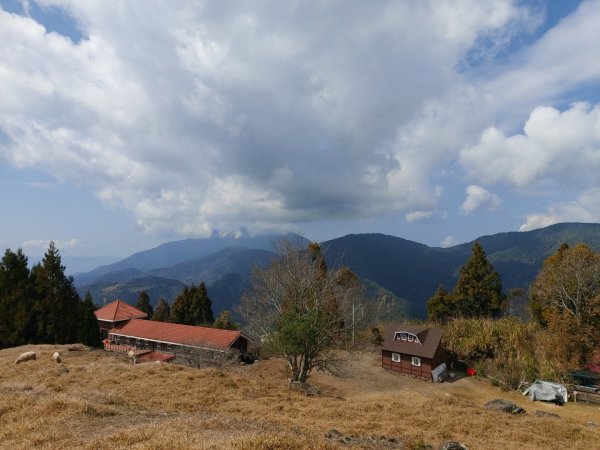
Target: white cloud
column 418, row 216
column 586, row 208
column 562, row 60
column 449, row 241
column 43, row 243
column 208, row 115
column 562, row 147
column 477, row 198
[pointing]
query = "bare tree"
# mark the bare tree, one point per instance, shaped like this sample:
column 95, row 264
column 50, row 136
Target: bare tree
column 569, row 283
column 566, row 298
column 299, row 309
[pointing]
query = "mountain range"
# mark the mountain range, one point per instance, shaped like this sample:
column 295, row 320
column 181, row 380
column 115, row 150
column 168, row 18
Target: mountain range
column 407, row 269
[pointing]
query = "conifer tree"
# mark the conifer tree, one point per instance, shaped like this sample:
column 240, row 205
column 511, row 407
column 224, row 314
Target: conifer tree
column 181, row 309
column 207, row 316
column 225, row 322
column 15, row 300
column 143, row 304
column 478, row 291
column 162, row 313
column 89, row 332
column 193, row 307
column 56, row 307
column 440, row 307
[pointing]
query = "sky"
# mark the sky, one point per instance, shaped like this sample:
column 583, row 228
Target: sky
column 126, row 124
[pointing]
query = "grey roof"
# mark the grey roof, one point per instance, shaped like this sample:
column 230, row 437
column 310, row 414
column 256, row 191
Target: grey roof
column 429, row 337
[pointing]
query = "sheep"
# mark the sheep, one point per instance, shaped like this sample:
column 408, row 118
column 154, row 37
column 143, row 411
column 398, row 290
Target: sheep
column 131, row 355
column 27, row 356
column 57, row 358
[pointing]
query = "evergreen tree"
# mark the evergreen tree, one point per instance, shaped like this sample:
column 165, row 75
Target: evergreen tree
column 15, row 300
column 143, row 304
column 478, row 291
column 207, row 316
column 162, row 313
column 89, row 332
column 225, row 322
column 440, row 307
column 195, row 314
column 56, row 306
column 182, row 308
column 193, row 307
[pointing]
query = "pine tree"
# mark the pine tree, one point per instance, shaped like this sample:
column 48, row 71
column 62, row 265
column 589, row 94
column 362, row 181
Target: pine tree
column 225, row 322
column 143, row 304
column 89, row 332
column 162, row 313
column 478, row 291
column 181, row 309
column 56, row 306
column 440, row 307
column 207, row 316
column 193, row 307
column 15, row 300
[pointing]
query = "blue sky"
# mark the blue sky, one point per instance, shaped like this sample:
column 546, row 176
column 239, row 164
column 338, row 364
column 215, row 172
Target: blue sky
column 128, row 124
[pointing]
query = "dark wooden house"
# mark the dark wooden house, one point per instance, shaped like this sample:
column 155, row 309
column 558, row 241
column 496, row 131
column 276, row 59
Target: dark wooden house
column 412, row 349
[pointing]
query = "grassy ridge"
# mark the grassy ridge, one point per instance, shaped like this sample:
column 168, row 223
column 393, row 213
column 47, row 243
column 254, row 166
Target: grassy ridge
column 105, row 402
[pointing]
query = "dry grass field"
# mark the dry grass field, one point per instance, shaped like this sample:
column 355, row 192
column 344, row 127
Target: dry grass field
column 104, row 402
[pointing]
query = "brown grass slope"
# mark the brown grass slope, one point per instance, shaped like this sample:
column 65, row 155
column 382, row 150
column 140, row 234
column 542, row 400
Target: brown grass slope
column 103, row 402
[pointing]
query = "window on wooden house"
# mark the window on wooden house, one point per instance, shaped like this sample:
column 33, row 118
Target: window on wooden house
column 396, row 357
column 416, row 361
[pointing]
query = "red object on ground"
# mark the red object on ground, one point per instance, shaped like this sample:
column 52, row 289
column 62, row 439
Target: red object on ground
column 471, row 371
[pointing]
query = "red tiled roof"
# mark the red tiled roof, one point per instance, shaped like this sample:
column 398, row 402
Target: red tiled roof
column 174, row 333
column 117, row 311
column 156, row 356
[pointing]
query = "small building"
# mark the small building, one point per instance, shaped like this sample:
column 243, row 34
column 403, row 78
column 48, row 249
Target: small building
column 412, row 349
column 115, row 314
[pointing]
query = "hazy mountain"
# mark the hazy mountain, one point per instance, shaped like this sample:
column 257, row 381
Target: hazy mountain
column 211, row 268
column 77, row 264
column 172, row 253
column 128, row 291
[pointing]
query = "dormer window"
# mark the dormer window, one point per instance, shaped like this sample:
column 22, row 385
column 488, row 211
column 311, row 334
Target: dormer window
column 406, row 336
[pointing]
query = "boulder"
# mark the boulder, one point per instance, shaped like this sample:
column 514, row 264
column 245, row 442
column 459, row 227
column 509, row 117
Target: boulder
column 546, row 414
column 504, row 405
column 308, row 389
column 453, row 445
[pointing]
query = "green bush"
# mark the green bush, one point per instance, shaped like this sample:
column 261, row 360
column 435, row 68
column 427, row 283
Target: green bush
column 509, row 350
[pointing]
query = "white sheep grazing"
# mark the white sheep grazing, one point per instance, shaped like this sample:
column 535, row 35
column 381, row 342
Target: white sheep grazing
column 56, row 357
column 27, row 356
column 131, row 355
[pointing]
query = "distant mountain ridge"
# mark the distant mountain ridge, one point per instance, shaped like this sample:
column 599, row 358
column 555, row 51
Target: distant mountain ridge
column 408, row 269
column 171, row 253
column 413, row 271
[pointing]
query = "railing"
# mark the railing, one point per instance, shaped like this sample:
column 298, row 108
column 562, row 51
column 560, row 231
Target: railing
column 121, row 348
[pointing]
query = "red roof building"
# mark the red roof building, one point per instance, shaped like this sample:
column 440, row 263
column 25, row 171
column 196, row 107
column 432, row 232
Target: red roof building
column 178, row 335
column 124, row 328
column 115, row 314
